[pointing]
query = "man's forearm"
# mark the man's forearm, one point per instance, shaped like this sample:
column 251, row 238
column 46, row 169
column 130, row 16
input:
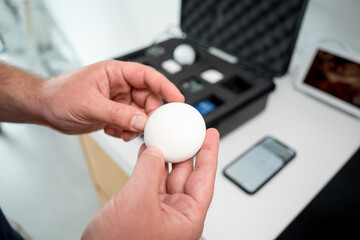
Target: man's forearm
column 19, row 95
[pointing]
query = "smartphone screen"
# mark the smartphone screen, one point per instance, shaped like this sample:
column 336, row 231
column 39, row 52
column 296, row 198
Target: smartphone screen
column 259, row 164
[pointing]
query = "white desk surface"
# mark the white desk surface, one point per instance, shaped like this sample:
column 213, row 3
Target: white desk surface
column 323, row 137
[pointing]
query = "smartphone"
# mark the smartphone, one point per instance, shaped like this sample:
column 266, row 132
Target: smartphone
column 251, row 170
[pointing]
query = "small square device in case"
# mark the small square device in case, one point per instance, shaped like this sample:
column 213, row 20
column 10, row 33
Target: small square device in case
column 240, row 45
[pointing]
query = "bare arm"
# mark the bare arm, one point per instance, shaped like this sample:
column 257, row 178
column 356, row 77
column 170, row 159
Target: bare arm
column 19, row 95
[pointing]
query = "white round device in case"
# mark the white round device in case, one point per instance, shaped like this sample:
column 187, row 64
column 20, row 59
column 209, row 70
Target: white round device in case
column 177, row 129
column 184, row 54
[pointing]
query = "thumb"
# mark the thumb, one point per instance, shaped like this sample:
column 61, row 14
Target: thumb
column 120, row 115
column 148, row 172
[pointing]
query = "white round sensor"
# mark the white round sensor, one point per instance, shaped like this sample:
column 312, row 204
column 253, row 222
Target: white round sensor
column 184, row 54
column 177, row 129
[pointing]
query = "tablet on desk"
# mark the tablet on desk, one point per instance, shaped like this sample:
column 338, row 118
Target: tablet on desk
column 332, row 77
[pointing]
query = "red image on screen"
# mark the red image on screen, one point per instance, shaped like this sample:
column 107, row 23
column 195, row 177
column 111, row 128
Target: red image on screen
column 336, row 76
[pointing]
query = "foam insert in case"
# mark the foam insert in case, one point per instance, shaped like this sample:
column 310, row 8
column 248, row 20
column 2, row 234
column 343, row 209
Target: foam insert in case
column 258, row 35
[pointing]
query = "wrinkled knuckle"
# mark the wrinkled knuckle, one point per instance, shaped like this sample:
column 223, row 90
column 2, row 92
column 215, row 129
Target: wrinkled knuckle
column 115, row 114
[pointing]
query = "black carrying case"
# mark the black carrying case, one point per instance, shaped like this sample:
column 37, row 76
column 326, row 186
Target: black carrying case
column 260, row 36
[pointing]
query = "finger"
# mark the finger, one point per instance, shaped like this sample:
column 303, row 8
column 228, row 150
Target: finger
column 200, row 184
column 178, row 176
column 113, row 131
column 148, row 173
column 144, row 77
column 146, row 100
column 128, row 136
column 118, row 114
column 142, row 149
column 166, row 171
column 164, row 180
column 152, row 103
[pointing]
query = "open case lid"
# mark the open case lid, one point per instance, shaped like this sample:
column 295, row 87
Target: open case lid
column 260, row 33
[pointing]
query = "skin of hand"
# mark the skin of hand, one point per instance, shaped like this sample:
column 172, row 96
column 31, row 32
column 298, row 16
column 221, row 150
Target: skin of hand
column 156, row 204
column 118, row 96
column 111, row 95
